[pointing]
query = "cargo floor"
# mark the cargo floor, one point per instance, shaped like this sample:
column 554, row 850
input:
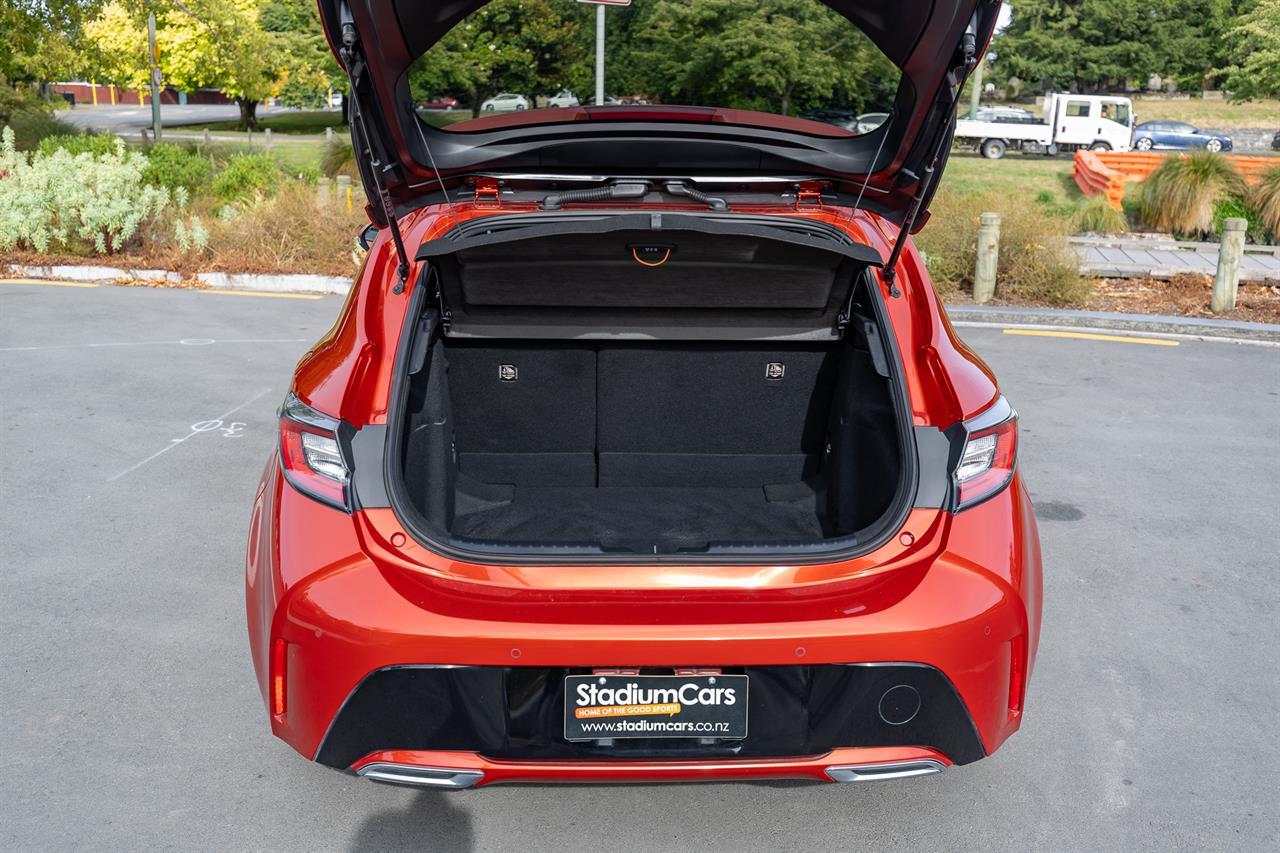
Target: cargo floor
column 644, row 519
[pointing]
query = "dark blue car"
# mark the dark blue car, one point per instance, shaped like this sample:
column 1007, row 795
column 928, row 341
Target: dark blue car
column 1177, row 135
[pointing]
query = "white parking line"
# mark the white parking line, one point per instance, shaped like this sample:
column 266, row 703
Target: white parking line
column 186, row 342
column 175, row 442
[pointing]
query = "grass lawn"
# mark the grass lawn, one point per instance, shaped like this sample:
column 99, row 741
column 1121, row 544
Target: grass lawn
column 1015, row 174
column 1210, row 113
column 440, row 118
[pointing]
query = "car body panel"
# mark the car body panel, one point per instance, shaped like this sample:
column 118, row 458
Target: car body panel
column 351, row 615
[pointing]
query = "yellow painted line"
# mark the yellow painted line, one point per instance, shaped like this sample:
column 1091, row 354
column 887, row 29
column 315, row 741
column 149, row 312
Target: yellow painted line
column 264, row 293
column 47, row 281
column 1089, row 336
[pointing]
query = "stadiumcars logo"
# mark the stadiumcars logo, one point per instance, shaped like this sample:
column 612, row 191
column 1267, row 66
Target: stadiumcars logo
column 660, row 706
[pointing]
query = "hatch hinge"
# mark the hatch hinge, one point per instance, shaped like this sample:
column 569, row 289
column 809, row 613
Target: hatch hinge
column 487, row 194
column 809, row 194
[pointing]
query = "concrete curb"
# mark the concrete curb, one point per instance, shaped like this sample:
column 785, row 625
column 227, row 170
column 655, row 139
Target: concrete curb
column 279, row 283
column 1151, row 323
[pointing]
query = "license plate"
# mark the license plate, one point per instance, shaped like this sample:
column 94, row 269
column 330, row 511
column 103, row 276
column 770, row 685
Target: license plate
column 600, row 707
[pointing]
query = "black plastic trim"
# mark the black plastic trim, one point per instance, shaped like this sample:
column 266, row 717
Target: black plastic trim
column 516, row 713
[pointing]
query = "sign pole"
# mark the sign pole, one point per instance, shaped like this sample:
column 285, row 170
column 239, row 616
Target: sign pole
column 154, row 53
column 600, row 55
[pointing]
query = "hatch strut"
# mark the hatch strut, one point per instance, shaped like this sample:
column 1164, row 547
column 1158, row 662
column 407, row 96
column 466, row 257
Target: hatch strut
column 968, row 46
column 355, row 69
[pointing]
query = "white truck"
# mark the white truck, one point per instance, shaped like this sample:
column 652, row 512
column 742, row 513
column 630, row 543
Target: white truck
column 1098, row 122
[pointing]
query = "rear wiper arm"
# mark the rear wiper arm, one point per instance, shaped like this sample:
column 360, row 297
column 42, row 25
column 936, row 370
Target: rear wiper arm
column 619, row 190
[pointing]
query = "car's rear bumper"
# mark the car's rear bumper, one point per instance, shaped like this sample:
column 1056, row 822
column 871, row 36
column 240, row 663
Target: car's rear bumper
column 960, row 613
column 454, row 770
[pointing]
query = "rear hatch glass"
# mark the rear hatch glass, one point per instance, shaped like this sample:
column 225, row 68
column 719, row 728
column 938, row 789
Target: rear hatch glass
column 798, row 59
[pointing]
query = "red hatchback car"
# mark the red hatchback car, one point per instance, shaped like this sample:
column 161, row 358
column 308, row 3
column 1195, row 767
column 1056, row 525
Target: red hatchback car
column 642, row 448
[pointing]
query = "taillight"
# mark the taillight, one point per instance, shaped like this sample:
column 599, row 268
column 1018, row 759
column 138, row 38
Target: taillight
column 311, row 455
column 990, row 452
column 279, row 660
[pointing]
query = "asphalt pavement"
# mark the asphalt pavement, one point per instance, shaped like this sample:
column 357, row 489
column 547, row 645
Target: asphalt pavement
column 136, row 423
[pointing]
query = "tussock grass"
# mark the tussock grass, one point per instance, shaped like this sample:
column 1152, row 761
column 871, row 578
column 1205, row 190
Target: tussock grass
column 1035, row 263
column 288, row 232
column 338, row 159
column 1097, row 216
column 1180, row 196
column 1264, row 199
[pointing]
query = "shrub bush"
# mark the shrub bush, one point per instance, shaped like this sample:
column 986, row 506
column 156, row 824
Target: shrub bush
column 22, row 109
column 32, row 126
column 99, row 200
column 1180, row 196
column 290, row 231
column 174, row 166
column 78, row 143
column 1035, row 262
column 1238, row 208
column 1264, row 198
column 247, row 176
column 1096, row 216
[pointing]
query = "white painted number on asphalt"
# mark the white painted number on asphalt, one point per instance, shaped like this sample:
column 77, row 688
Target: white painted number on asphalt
column 228, row 429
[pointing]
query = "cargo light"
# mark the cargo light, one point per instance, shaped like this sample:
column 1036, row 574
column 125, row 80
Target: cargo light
column 311, row 456
column 990, row 453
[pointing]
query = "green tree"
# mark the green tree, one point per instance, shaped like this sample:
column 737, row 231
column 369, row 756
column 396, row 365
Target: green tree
column 768, row 55
column 1085, row 45
column 311, row 69
column 220, row 44
column 248, row 49
column 509, row 45
column 114, row 47
column 38, row 38
column 1253, row 53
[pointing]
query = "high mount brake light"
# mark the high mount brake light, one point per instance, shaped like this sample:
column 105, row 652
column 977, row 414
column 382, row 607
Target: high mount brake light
column 990, row 453
column 311, row 456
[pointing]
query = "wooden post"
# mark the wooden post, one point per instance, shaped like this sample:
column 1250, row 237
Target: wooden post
column 984, row 273
column 1227, row 280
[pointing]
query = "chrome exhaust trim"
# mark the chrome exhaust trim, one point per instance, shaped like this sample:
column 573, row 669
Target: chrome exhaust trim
column 886, row 770
column 419, row 777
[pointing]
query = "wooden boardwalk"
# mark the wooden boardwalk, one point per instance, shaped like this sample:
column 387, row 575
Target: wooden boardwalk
column 1136, row 258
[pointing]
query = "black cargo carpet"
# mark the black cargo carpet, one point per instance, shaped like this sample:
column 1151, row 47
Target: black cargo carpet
column 645, row 520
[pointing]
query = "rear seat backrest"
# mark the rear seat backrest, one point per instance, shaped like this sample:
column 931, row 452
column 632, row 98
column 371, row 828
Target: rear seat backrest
column 534, row 428
column 694, row 415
